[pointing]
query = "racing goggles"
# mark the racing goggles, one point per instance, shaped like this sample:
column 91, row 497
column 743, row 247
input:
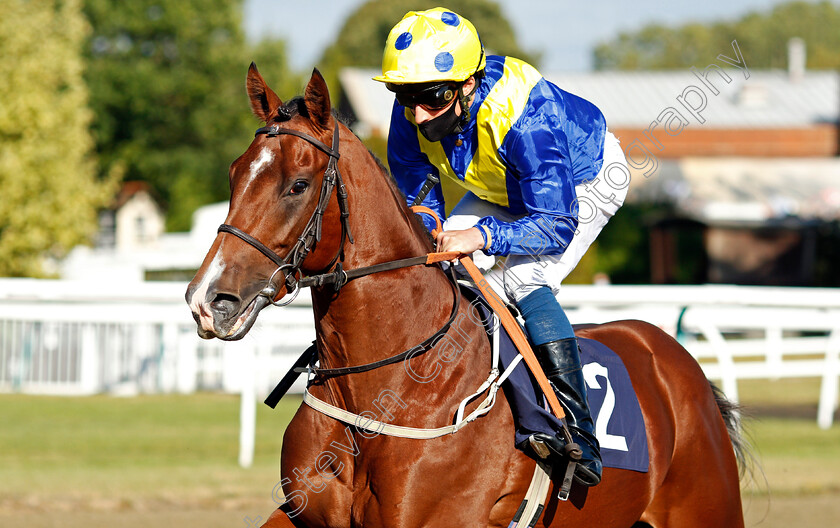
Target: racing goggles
column 433, row 96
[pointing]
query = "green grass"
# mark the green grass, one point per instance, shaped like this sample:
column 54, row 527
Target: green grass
column 797, row 457
column 182, row 449
column 782, row 393
column 135, row 449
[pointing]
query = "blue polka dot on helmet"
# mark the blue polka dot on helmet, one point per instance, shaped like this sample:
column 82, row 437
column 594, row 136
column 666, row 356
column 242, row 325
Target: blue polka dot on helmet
column 403, row 41
column 450, row 19
column 432, row 45
column 444, row 61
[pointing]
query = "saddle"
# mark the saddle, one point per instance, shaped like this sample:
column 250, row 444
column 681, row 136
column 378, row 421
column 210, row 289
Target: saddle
column 615, row 409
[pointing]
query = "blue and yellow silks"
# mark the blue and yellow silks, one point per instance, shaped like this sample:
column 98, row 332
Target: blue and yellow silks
column 526, row 146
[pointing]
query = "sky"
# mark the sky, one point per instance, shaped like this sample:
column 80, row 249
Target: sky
column 563, row 31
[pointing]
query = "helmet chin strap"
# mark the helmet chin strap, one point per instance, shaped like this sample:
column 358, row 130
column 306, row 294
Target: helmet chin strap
column 465, row 104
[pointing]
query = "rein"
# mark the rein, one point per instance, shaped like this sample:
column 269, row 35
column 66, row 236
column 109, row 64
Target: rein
column 340, row 277
column 422, row 348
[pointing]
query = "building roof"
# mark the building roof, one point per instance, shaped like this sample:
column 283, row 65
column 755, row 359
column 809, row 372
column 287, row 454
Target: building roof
column 132, row 188
column 370, row 100
column 712, row 190
column 744, row 190
column 768, row 99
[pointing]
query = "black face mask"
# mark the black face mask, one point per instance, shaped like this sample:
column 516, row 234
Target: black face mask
column 440, row 127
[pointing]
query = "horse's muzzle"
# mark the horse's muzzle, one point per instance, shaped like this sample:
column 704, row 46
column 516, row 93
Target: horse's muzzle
column 222, row 315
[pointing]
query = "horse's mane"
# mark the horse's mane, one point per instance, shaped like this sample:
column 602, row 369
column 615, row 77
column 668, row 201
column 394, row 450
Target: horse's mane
column 417, row 224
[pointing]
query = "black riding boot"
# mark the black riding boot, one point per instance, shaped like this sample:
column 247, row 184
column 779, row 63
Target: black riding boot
column 560, row 361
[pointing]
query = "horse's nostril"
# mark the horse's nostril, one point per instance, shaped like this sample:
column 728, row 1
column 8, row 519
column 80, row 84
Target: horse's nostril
column 225, row 304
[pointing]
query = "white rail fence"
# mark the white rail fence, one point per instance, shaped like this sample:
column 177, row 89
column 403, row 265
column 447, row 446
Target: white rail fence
column 60, row 337
column 735, row 332
column 71, row 338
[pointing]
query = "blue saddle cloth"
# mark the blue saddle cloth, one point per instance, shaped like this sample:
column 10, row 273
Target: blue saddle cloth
column 619, row 425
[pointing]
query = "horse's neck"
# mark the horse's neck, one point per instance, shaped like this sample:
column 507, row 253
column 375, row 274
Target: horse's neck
column 379, row 316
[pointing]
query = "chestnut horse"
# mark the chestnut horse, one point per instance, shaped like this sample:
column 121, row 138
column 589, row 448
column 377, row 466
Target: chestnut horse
column 335, row 475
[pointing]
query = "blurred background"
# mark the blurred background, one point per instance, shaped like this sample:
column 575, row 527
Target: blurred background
column 119, row 120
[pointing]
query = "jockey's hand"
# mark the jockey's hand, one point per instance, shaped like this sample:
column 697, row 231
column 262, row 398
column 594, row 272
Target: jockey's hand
column 464, row 241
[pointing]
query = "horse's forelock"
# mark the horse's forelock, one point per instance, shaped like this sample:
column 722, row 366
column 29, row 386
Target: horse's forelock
column 289, row 110
column 297, row 107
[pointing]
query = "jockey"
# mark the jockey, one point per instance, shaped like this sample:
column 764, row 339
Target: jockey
column 538, row 166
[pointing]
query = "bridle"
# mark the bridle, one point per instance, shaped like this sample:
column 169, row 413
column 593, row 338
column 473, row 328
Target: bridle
column 290, row 265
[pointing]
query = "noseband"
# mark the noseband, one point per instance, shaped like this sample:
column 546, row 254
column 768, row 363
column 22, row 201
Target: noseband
column 290, row 265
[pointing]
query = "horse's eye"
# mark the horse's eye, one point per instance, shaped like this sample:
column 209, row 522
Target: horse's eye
column 299, row 186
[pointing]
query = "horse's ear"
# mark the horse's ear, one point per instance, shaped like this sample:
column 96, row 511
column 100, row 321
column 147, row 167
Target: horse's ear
column 317, row 100
column 263, row 99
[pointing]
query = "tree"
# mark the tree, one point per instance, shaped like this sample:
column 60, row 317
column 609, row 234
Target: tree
column 762, row 37
column 362, row 38
column 47, row 174
column 167, row 88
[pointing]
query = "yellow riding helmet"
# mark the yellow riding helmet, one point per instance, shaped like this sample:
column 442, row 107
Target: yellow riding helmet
column 432, row 45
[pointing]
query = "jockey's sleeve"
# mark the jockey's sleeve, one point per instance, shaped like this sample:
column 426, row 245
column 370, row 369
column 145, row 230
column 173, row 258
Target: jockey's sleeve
column 410, row 165
column 537, row 151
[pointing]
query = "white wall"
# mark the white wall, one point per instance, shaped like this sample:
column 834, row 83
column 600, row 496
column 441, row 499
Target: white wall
column 139, row 223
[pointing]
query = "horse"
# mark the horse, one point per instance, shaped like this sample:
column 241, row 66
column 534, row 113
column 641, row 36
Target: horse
column 335, row 475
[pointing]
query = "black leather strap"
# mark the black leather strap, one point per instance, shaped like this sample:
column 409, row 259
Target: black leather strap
column 277, row 259
column 312, row 232
column 341, row 276
column 417, row 350
column 307, row 358
column 274, row 130
column 309, row 355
